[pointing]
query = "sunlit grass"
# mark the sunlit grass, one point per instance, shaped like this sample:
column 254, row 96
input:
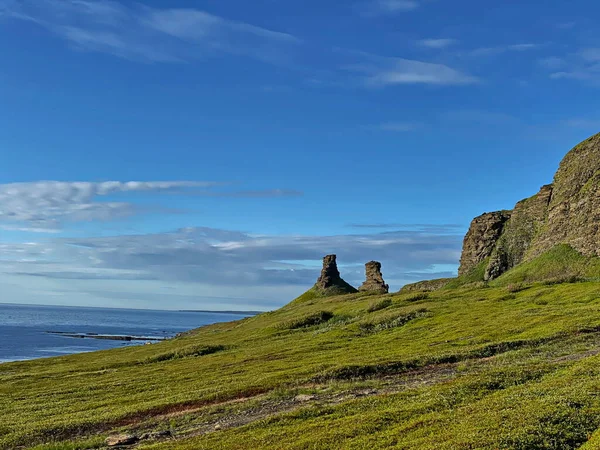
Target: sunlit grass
column 524, row 375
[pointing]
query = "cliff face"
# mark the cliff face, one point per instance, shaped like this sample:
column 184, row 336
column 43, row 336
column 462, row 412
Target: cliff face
column 574, row 210
column 480, row 241
column 565, row 212
column 526, row 221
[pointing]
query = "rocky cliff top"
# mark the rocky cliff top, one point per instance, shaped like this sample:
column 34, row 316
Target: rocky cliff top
column 564, row 212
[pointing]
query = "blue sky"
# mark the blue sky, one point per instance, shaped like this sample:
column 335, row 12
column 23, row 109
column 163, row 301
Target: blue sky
column 207, row 154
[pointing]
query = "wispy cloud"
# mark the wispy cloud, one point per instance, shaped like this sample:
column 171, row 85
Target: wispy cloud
column 267, row 193
column 421, row 227
column 171, row 35
column 590, row 124
column 142, row 33
column 480, row 117
column 399, row 127
column 231, row 261
column 382, row 72
column 374, row 8
column 395, row 6
column 583, row 65
column 437, row 43
column 45, row 206
column 566, row 25
column 492, row 51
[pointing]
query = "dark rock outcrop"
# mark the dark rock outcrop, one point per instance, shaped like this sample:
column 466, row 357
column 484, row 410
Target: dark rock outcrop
column 481, row 239
column 565, row 212
column 526, row 221
column 330, row 281
column 374, row 281
column 574, row 209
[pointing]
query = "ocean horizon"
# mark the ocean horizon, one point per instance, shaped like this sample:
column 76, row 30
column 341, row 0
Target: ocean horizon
column 42, row 331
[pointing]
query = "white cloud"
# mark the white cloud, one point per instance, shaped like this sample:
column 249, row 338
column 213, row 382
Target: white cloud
column 397, row 71
column 142, row 33
column 491, row 51
column 376, row 71
column 45, row 206
column 583, row 65
column 437, row 43
column 198, row 25
column 522, row 47
column 214, row 262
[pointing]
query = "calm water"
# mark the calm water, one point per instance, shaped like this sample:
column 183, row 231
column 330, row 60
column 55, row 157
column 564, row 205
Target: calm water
column 23, row 328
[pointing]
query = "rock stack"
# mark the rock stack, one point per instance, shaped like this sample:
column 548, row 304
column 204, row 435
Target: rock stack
column 330, row 281
column 374, row 281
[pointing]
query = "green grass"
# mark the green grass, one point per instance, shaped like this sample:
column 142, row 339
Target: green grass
column 470, row 367
column 472, row 278
column 560, row 264
column 307, row 321
column 379, row 305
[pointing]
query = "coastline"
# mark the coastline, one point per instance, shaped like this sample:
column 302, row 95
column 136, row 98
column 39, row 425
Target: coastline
column 29, row 332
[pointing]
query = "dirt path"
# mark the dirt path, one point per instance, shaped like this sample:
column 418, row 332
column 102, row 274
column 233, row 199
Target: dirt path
column 263, row 406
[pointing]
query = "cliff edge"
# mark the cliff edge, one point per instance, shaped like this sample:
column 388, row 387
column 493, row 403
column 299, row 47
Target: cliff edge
column 564, row 212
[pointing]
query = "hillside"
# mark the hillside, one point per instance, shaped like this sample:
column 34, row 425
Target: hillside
column 510, row 361
column 463, row 368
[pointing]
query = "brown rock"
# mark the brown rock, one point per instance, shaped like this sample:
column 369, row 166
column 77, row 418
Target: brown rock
column 374, row 281
column 574, row 210
column 304, row 397
column 330, row 280
column 527, row 219
column 118, row 440
column 481, row 239
column 330, row 275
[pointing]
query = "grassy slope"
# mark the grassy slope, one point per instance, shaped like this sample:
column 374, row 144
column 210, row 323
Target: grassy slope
column 558, row 264
column 504, row 370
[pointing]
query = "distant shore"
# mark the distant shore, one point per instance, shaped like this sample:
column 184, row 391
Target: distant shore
column 239, row 313
column 108, row 337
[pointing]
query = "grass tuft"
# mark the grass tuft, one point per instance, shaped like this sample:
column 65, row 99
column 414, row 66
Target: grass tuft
column 307, row 321
column 185, row 352
column 379, row 305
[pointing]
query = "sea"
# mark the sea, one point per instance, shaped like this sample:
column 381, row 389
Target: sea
column 24, row 329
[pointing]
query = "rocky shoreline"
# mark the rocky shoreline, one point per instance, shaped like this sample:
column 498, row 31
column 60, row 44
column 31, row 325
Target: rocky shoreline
column 109, row 337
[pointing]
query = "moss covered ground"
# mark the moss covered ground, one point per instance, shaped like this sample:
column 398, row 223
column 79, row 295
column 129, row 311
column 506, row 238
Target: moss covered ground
column 476, row 366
